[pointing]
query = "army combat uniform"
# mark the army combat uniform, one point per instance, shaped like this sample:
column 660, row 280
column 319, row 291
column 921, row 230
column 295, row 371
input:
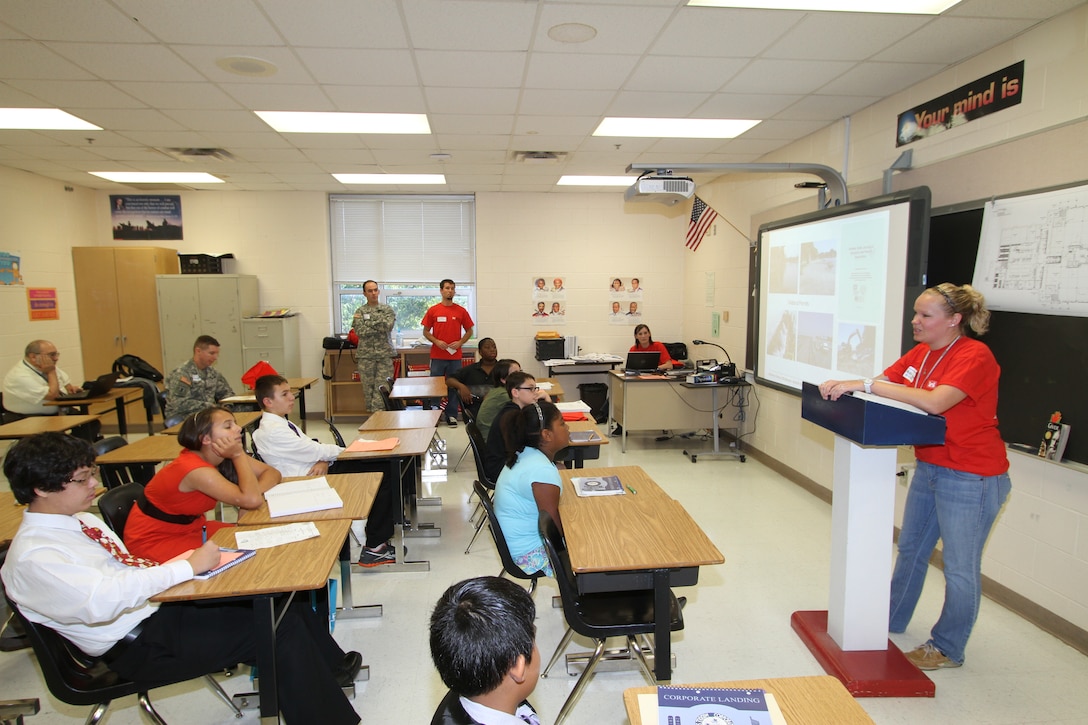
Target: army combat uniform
column 374, row 325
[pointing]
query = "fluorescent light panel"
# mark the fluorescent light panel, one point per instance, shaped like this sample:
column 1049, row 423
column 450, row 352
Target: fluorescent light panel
column 595, row 180
column 673, row 127
column 903, row 7
column 306, row 122
column 400, row 179
column 52, row 119
column 158, row 177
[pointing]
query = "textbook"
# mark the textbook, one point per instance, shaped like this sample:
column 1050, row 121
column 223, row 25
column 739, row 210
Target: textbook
column 598, row 486
column 584, row 436
column 1055, row 438
column 227, row 559
column 301, row 497
column 706, row 705
column 650, row 712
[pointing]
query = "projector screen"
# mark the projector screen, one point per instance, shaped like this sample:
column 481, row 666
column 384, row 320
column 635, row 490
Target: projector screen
column 836, row 289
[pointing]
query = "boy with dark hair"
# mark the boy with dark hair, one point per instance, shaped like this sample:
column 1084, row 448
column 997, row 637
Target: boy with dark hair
column 523, row 390
column 483, row 643
column 67, row 571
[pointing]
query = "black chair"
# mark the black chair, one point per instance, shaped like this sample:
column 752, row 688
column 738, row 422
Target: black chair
column 114, row 505
column 599, row 616
column 477, row 444
column 76, row 678
column 389, row 403
column 162, row 403
column 470, row 419
column 508, row 565
column 118, row 474
column 339, row 439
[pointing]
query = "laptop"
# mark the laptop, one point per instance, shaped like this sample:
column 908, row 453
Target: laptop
column 99, row 386
column 642, row 362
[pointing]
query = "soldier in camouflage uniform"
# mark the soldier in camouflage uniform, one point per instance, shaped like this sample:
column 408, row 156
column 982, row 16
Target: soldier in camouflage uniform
column 373, row 323
column 196, row 385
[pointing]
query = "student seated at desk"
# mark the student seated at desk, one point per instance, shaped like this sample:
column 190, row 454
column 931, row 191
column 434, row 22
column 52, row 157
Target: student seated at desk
column 67, row 571
column 497, row 397
column 530, row 482
column 644, row 342
column 483, row 643
column 213, row 467
column 521, row 390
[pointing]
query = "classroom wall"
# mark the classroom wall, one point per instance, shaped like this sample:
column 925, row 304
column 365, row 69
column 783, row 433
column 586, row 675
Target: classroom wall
column 1039, row 548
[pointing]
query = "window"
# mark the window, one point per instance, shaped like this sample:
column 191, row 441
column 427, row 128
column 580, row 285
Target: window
column 407, row 244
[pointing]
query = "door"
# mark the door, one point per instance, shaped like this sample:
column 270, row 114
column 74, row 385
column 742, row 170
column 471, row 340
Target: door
column 97, row 305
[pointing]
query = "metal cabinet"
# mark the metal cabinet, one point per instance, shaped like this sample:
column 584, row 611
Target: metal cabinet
column 274, row 340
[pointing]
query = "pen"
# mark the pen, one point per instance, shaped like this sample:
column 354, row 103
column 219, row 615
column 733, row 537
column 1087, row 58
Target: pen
column 631, row 490
column 204, row 534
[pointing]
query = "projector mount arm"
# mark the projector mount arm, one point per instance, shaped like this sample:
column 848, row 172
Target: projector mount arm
column 836, row 184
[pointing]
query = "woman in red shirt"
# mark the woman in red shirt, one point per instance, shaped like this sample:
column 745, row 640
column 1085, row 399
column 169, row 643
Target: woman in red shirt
column 644, row 342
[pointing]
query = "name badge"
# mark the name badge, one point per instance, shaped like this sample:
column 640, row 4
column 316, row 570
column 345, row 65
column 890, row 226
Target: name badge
column 442, row 319
column 910, row 373
column 196, row 378
column 366, row 316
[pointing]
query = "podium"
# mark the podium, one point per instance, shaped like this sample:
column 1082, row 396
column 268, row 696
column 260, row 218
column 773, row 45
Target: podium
column 850, row 639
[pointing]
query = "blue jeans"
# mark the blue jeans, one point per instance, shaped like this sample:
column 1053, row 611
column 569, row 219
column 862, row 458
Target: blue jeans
column 448, row 367
column 959, row 509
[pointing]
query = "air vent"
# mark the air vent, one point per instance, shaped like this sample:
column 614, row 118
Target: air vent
column 539, row 157
column 197, row 154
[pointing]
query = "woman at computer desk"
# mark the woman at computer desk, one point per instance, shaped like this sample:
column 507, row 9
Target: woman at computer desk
column 212, row 467
column 959, row 487
column 530, row 482
column 644, row 342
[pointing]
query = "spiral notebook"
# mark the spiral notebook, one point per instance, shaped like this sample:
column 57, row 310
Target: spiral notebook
column 227, row 559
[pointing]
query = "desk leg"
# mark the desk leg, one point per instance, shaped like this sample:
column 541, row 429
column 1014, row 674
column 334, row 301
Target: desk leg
column 122, row 421
column 662, row 631
column 302, row 408
column 264, row 623
column 416, row 528
column 349, row 610
column 403, row 525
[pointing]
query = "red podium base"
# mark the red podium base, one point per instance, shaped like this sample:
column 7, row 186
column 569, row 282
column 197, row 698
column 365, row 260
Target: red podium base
column 865, row 673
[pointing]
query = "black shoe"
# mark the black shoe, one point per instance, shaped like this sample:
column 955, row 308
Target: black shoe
column 451, row 422
column 348, row 670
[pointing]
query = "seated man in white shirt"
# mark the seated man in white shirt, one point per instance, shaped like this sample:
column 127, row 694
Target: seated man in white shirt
column 66, row 570
column 36, row 379
column 283, row 446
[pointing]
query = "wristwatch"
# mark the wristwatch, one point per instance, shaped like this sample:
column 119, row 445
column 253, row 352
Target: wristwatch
column 867, row 383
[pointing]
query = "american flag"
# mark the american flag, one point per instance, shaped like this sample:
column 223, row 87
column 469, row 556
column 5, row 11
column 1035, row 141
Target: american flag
column 702, row 216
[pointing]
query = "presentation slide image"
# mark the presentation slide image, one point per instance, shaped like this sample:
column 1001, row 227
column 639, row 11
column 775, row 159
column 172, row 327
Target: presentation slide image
column 783, row 338
column 814, row 331
column 819, row 267
column 857, row 347
column 784, row 268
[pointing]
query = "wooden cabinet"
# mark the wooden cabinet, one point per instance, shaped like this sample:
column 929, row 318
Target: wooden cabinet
column 191, row 305
column 343, row 394
column 117, row 304
column 274, row 340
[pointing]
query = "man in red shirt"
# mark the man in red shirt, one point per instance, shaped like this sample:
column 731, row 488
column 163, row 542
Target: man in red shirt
column 447, row 326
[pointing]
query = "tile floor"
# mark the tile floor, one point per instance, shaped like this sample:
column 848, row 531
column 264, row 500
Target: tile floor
column 775, row 538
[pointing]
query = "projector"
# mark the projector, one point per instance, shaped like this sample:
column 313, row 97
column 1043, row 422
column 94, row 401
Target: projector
column 667, row 190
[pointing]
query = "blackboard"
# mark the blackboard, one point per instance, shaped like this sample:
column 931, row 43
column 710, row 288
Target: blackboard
column 1043, row 358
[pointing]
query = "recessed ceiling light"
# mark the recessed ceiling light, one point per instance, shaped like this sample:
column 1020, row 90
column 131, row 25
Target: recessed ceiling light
column 247, row 65
column 52, row 119
column 905, row 7
column 595, row 180
column 399, row 179
column 158, row 177
column 674, row 127
column 321, row 122
column 572, row 32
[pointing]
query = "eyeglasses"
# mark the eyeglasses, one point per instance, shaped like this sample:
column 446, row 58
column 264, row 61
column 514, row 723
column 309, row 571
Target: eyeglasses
column 83, row 481
column 54, row 355
column 533, row 388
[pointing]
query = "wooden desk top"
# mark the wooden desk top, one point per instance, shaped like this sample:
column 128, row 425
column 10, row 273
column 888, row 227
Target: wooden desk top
column 43, row 424
column 11, row 515
column 632, row 532
column 422, row 387
column 815, row 700
column 301, row 383
column 107, row 397
column 589, row 425
column 401, row 420
column 153, row 449
column 242, row 418
column 296, row 384
column 357, row 490
column 556, row 390
column 413, row 442
column 298, row 566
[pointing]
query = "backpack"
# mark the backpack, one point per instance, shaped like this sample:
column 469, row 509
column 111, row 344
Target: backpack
column 137, row 367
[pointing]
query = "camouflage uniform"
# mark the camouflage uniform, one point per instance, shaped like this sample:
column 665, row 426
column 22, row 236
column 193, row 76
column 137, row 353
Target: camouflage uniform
column 201, row 389
column 374, row 324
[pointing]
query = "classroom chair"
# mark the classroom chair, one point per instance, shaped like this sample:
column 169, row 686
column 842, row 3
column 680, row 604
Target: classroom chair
column 477, row 444
column 508, row 565
column 118, row 474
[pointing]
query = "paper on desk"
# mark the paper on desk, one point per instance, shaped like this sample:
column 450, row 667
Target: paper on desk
column 558, row 361
column 275, row 535
column 647, row 708
column 544, row 385
column 575, row 406
column 365, row 444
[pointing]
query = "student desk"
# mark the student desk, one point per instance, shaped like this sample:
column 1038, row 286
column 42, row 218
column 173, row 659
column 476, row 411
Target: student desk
column 427, row 389
column 660, row 403
column 642, row 540
column 116, row 396
column 579, row 452
column 357, row 490
column 556, row 389
column 35, row 424
column 401, row 420
column 298, row 385
column 296, row 567
column 153, row 449
column 816, row 700
column 242, row 418
column 398, row 463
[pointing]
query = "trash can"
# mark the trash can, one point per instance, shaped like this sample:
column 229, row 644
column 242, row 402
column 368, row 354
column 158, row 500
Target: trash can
column 595, row 395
